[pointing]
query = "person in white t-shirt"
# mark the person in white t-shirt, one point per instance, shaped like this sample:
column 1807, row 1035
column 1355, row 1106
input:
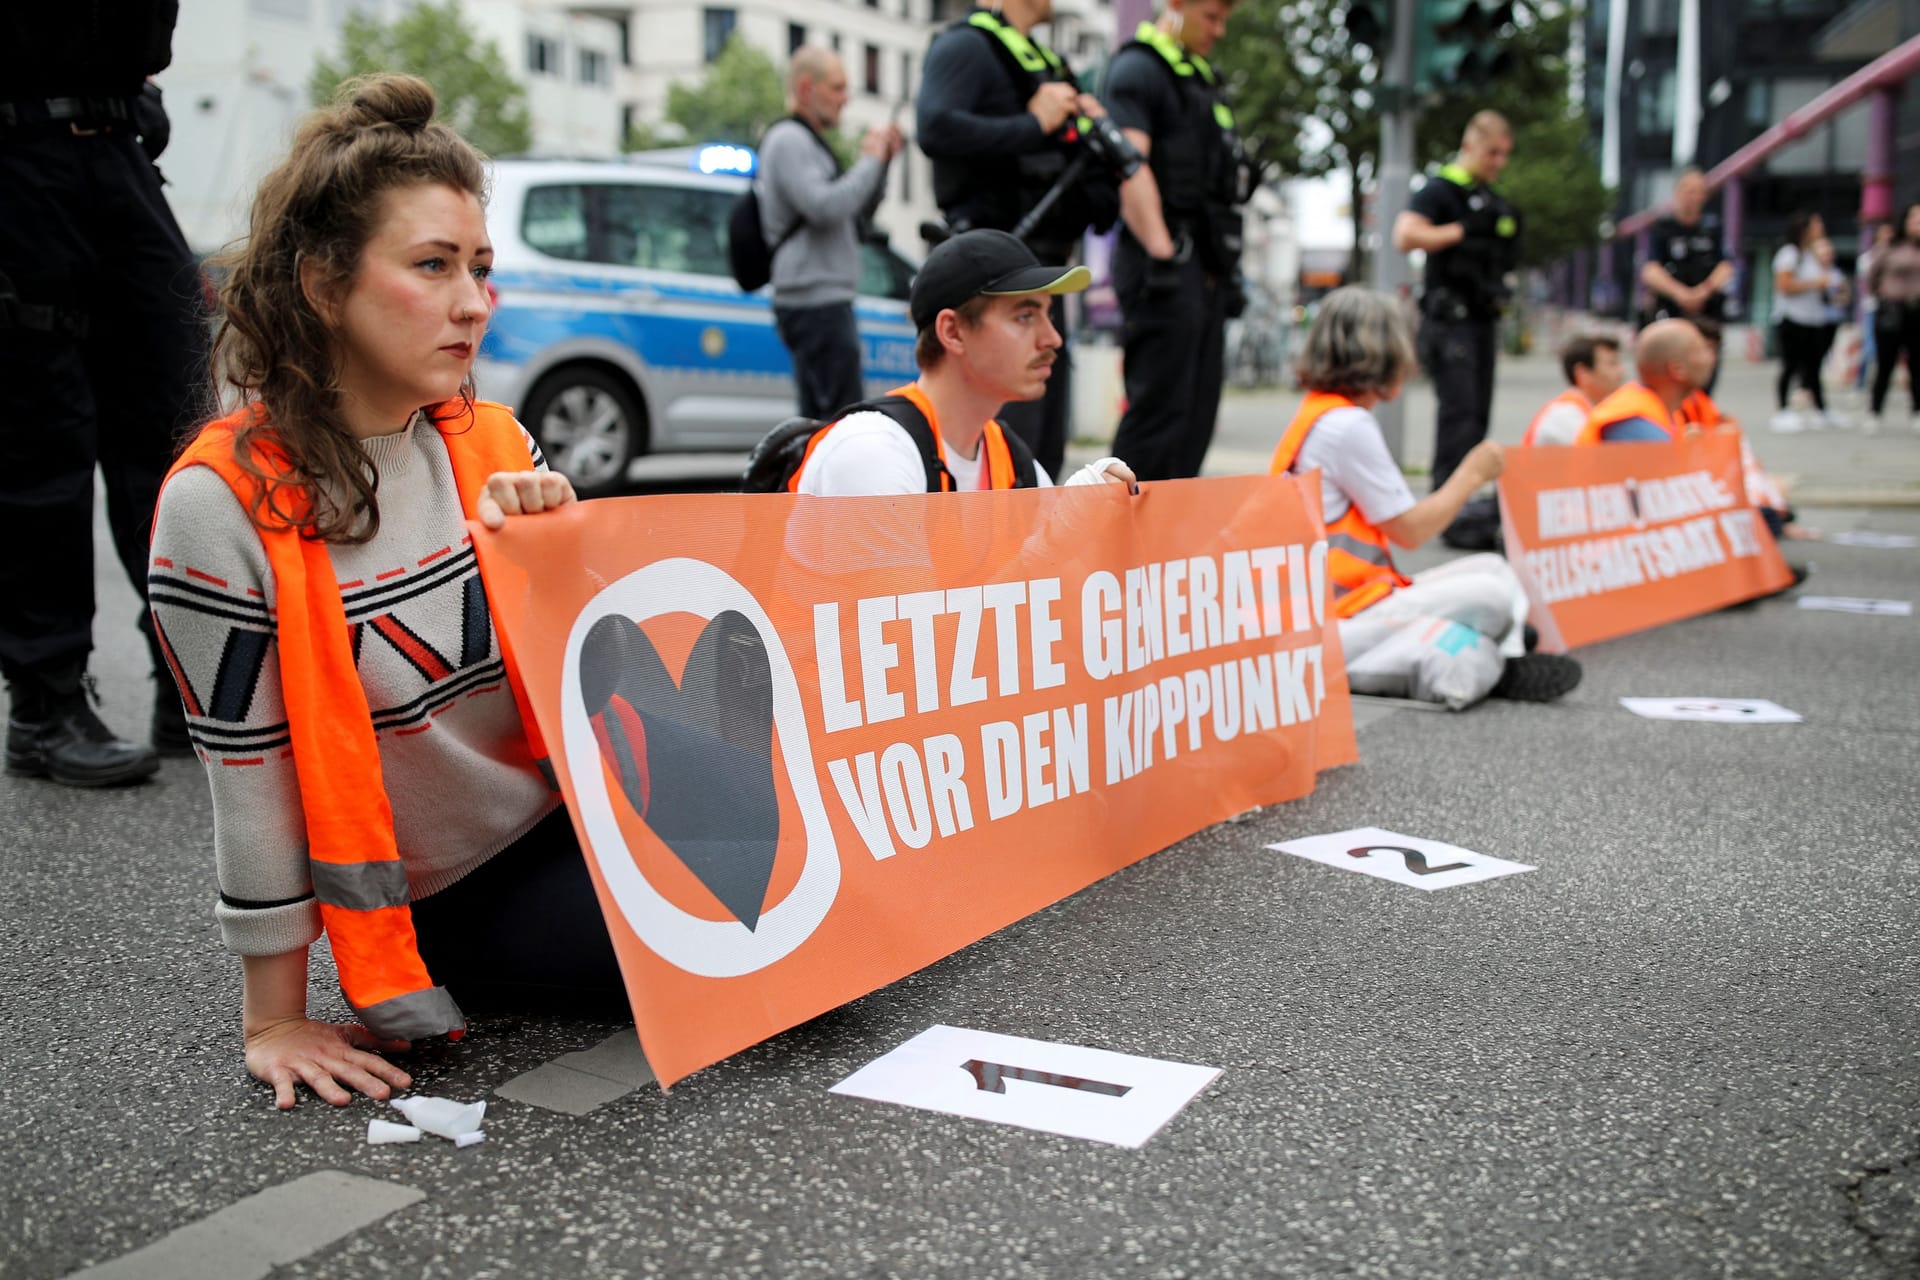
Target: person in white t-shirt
column 1801, row 283
column 1401, row 635
column 980, row 304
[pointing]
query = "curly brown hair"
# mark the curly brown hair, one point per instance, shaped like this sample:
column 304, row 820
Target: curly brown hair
column 322, row 205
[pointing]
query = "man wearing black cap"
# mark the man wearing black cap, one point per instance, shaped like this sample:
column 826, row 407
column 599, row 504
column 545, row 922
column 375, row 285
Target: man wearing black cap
column 980, row 303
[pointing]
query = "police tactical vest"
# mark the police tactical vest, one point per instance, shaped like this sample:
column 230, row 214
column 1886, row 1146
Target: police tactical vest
column 1201, row 166
column 1472, row 274
column 995, row 192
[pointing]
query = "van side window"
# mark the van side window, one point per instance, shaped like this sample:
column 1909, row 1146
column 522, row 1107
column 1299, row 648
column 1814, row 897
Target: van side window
column 555, row 221
column 667, row 228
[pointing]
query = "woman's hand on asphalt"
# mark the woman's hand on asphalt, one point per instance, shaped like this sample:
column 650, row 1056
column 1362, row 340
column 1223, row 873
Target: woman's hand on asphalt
column 329, row 1058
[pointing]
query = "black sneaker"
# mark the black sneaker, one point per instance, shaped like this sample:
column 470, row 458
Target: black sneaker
column 1537, row 677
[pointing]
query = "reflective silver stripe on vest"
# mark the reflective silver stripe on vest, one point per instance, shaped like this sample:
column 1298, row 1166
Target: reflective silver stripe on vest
column 1371, row 552
column 360, row 886
column 413, row 1016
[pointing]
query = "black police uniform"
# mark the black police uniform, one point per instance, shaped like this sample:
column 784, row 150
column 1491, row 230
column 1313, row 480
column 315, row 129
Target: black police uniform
column 1460, row 308
column 992, row 165
column 1176, row 311
column 1689, row 254
column 102, row 359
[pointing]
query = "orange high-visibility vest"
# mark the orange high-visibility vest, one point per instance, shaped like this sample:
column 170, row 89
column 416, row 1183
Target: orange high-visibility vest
column 1631, row 401
column 358, row 878
column 1699, row 410
column 1001, row 471
column 1572, row 395
column 1359, row 557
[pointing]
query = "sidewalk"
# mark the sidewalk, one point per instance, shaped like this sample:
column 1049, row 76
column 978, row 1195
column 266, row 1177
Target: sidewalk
column 1819, row 468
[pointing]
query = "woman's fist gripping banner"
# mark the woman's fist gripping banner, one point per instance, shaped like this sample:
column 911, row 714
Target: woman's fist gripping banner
column 814, row 744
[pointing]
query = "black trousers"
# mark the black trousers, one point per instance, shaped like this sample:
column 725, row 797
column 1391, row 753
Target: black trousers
column 1802, row 349
column 1174, row 348
column 1045, row 423
column 84, row 228
column 1459, row 356
column 523, row 933
column 1896, row 331
column 825, row 344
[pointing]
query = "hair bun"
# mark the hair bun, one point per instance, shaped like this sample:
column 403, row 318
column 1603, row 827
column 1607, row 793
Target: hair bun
column 401, row 100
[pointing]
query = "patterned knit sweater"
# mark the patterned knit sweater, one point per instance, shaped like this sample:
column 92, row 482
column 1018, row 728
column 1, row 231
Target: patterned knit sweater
column 453, row 754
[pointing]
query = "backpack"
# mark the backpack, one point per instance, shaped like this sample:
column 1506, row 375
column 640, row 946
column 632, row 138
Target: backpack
column 783, row 451
column 749, row 256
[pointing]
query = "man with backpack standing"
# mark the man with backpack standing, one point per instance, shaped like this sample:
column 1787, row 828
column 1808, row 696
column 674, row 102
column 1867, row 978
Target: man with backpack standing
column 813, row 214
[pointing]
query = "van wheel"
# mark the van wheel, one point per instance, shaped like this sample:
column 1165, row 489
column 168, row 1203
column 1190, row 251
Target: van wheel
column 590, row 425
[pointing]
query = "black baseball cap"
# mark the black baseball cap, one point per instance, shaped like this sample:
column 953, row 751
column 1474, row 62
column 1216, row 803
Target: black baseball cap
column 992, row 263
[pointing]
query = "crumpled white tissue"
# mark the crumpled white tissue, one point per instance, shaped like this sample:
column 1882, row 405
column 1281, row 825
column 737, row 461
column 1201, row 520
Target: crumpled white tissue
column 384, row 1131
column 471, row 1139
column 443, row 1117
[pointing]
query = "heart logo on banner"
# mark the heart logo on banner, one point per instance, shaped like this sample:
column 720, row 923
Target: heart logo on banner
column 694, row 756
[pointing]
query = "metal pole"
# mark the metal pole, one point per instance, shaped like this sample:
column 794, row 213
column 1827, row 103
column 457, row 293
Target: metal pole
column 1393, row 187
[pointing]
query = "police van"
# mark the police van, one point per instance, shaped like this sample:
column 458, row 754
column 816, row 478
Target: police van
column 618, row 330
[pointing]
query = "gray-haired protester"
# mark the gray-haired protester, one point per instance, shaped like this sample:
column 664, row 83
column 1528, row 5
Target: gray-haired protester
column 1452, row 634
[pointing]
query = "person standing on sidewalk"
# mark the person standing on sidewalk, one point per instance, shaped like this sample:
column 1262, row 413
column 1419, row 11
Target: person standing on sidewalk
column 1894, row 282
column 1801, row 283
column 815, row 215
column 1471, row 237
column 102, row 363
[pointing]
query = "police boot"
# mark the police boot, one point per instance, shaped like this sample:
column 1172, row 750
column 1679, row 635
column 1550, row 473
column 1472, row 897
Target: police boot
column 52, row 732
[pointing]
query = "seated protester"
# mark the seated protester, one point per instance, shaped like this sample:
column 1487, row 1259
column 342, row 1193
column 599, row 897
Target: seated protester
column 374, row 771
column 1672, row 361
column 1592, row 366
column 1358, row 354
column 980, row 305
column 1699, row 412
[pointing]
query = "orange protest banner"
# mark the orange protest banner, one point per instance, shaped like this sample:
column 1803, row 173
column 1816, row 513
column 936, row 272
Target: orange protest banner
column 815, row 744
column 1617, row 538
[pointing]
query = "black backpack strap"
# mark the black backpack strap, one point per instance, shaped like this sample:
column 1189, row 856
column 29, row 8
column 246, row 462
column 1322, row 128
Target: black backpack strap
column 907, row 416
column 1026, row 471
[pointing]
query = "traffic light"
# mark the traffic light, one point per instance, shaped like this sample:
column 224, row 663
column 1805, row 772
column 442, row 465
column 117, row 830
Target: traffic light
column 1366, row 22
column 1457, row 43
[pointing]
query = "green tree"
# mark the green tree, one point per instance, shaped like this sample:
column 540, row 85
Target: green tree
column 741, row 95
column 478, row 96
column 1308, row 100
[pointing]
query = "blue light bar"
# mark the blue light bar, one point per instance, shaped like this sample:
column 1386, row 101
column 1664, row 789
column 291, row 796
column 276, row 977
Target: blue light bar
column 721, row 158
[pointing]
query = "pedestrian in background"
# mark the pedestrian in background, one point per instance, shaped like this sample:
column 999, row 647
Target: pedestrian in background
column 372, row 769
column 1801, row 282
column 1894, row 282
column 102, row 363
column 1176, row 271
column 816, row 215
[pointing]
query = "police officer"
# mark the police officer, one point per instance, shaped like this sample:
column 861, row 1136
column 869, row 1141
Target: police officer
column 1687, row 273
column 1471, row 238
column 102, row 362
column 1009, row 130
column 1176, row 270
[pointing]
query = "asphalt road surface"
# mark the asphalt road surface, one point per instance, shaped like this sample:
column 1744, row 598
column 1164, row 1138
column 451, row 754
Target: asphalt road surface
column 1686, row 1045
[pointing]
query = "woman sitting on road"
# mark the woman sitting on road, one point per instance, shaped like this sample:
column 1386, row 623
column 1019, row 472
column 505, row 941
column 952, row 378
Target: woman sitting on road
column 1452, row 634
column 318, row 600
